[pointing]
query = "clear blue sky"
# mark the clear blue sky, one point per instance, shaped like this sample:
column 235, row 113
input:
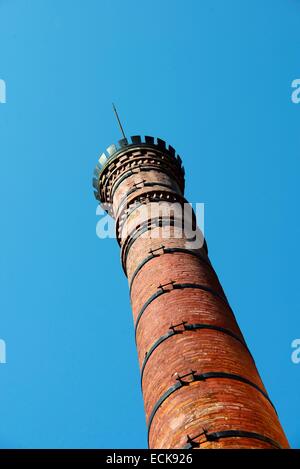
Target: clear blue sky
column 213, row 78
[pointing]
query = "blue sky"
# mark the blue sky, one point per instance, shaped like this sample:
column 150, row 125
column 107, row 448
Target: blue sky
column 213, row 78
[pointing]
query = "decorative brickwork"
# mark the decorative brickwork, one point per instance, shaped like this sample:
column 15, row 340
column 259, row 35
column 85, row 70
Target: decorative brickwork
column 200, row 384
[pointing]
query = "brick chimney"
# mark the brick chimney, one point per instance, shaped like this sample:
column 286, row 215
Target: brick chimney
column 199, row 381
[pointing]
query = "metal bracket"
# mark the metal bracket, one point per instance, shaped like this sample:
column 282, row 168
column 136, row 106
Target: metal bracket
column 136, row 184
column 173, row 326
column 191, row 440
column 214, row 436
column 180, row 378
column 151, row 251
column 171, row 283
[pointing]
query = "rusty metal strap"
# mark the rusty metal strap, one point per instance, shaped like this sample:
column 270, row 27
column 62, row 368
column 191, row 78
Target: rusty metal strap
column 151, row 195
column 144, row 184
column 119, row 181
column 168, row 251
column 139, row 267
column 154, row 346
column 203, row 377
column 146, row 167
column 177, row 286
column 214, row 436
column 142, row 199
column 143, row 228
column 189, row 327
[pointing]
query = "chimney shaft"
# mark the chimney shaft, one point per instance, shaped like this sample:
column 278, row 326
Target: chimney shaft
column 200, row 384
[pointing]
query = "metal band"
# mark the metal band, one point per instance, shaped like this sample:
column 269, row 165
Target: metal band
column 231, row 434
column 160, row 401
column 189, row 327
column 168, row 251
column 144, row 184
column 119, row 181
column 178, row 286
column 166, row 168
column 188, row 251
column 154, row 346
column 139, row 267
column 148, row 197
column 148, row 302
column 134, row 206
column 203, row 377
column 145, row 226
